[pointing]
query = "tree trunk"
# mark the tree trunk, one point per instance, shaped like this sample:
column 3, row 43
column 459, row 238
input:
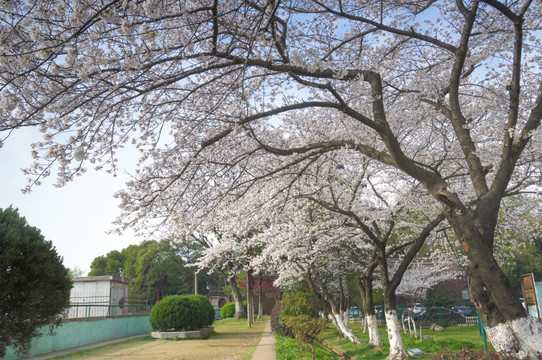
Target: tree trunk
column 365, row 288
column 397, row 349
column 335, row 316
column 260, row 294
column 344, row 330
column 250, row 298
column 374, row 335
column 507, row 324
column 240, row 312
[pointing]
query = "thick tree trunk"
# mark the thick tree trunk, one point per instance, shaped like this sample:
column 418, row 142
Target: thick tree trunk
column 374, row 335
column 240, row 312
column 507, row 332
column 397, row 349
column 507, row 324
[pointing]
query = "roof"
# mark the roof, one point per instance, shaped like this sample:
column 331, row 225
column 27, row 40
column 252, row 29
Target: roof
column 120, row 279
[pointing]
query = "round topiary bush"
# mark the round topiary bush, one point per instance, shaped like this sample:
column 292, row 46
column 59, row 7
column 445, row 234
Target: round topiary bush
column 228, row 310
column 205, row 311
column 181, row 313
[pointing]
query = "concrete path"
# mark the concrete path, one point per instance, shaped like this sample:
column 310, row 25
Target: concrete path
column 266, row 347
column 82, row 347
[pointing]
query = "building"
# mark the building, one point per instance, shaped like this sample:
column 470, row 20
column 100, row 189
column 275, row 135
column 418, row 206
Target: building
column 98, row 296
column 217, row 296
column 270, row 293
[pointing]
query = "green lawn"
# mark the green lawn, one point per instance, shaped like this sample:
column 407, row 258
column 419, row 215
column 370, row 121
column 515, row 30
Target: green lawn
column 286, row 349
column 453, row 338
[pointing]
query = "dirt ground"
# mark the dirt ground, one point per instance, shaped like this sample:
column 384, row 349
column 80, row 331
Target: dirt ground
column 227, row 343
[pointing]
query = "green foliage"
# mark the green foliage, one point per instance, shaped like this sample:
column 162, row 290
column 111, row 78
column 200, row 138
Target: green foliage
column 228, row 310
column 524, row 260
column 156, row 268
column 306, row 329
column 34, row 285
column 110, row 264
column 299, row 303
column 300, row 317
column 75, row 272
column 181, row 313
column 205, row 310
column 276, row 324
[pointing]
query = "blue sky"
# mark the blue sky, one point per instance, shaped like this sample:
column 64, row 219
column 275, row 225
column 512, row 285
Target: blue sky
column 76, row 217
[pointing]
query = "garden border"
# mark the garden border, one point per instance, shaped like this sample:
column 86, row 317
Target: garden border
column 196, row 334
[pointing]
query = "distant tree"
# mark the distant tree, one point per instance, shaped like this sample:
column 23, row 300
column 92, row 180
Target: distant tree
column 156, row 268
column 34, row 285
column 110, row 264
column 524, row 261
column 75, row 272
column 520, row 238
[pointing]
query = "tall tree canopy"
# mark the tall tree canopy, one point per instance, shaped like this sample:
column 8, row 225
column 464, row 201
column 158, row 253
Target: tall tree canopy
column 156, row 268
column 34, row 285
column 446, row 94
column 110, row 264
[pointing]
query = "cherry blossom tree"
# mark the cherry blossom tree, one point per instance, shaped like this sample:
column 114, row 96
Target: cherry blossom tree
column 315, row 249
column 447, row 94
column 225, row 255
column 355, row 220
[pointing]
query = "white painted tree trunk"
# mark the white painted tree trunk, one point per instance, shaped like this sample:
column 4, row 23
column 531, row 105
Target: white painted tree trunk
column 397, row 349
column 364, row 324
column 374, row 334
column 522, row 336
column 346, row 318
column 345, row 331
column 403, row 324
column 409, row 326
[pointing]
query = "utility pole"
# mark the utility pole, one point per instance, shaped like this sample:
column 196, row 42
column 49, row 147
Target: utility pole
column 196, row 283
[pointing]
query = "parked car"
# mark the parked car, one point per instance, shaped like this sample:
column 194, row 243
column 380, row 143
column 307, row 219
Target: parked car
column 439, row 312
column 417, row 308
column 465, row 310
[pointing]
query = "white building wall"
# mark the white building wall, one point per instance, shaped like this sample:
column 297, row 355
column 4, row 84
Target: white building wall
column 98, row 297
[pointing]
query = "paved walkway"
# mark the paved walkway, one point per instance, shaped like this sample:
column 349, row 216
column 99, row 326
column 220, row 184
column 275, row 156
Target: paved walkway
column 266, row 347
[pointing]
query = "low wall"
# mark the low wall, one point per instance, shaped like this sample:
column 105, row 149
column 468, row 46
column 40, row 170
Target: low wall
column 77, row 332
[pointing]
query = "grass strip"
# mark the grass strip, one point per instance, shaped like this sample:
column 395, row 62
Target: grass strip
column 452, row 338
column 286, row 348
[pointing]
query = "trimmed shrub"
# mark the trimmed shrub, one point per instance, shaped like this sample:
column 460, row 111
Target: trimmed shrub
column 293, row 304
column 276, row 325
column 299, row 303
column 181, row 313
column 228, row 310
column 299, row 316
column 205, row 311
